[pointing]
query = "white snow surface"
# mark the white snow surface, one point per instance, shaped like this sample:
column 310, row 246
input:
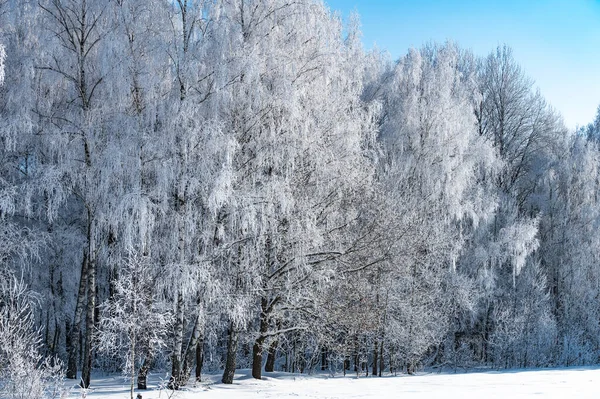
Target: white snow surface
column 553, row 383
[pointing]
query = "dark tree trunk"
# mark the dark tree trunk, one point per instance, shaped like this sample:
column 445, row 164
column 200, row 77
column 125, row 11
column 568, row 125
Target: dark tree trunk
column 72, row 339
column 199, row 359
column 88, row 353
column 271, row 355
column 232, row 344
column 356, row 357
column 257, row 348
column 293, row 359
column 257, row 358
column 375, row 359
column 176, row 377
column 56, row 338
column 381, row 360
column 323, row 358
column 142, row 379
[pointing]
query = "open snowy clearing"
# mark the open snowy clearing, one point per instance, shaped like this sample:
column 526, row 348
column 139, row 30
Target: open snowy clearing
column 556, row 383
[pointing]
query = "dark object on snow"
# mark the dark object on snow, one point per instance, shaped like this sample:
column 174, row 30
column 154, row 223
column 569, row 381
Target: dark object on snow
column 139, row 396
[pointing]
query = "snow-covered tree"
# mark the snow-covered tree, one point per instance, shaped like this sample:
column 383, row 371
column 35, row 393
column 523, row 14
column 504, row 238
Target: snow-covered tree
column 301, row 136
column 569, row 237
column 516, row 121
column 432, row 169
column 274, row 189
column 77, row 141
column 133, row 324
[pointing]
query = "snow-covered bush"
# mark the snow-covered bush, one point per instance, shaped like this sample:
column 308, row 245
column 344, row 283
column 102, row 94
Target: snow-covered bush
column 24, row 372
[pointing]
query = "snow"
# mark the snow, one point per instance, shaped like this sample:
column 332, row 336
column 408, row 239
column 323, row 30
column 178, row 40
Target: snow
column 554, row 383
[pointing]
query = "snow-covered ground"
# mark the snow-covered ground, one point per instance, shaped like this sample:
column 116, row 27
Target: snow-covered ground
column 556, row 383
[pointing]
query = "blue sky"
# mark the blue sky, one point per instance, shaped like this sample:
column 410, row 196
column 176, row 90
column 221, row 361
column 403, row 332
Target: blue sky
column 557, row 42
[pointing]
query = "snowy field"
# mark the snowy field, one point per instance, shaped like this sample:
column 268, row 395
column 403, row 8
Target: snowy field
column 558, row 383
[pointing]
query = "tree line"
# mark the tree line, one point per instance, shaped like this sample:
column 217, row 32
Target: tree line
column 216, row 184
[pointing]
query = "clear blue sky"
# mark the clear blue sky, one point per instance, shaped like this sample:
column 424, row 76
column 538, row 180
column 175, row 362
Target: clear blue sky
column 557, row 42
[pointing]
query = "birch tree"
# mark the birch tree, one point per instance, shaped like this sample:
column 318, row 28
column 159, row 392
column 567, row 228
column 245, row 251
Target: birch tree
column 75, row 72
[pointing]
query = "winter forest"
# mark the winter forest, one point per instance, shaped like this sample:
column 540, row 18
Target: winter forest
column 205, row 185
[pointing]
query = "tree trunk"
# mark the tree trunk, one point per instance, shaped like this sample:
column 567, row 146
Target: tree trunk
column 88, row 354
column 381, row 359
column 142, row 379
column 375, row 359
column 190, row 352
column 271, row 355
column 257, row 358
column 176, row 377
column 257, row 348
column 324, row 362
column 132, row 365
column 356, row 357
column 73, row 336
column 232, row 344
column 199, row 359
column 293, row 359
